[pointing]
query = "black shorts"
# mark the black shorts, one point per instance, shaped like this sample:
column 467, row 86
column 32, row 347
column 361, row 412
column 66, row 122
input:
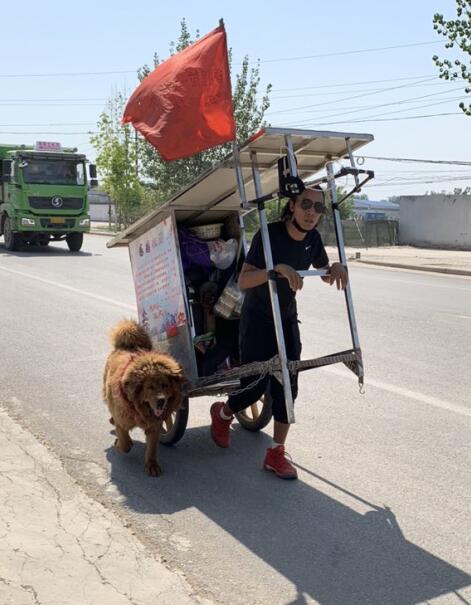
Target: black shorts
column 257, row 340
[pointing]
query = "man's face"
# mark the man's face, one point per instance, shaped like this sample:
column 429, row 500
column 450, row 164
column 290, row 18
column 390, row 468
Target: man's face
column 303, row 209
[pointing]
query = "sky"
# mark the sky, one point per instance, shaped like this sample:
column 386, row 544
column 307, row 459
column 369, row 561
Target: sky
column 347, row 66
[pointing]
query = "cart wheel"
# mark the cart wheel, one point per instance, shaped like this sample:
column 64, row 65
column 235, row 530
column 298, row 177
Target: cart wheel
column 258, row 415
column 174, row 427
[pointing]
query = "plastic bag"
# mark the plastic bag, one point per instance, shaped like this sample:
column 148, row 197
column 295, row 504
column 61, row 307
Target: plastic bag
column 194, row 251
column 229, row 304
column 222, row 253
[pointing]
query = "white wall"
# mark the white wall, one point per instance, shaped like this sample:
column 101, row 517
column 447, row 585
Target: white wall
column 100, row 206
column 100, row 212
column 440, row 221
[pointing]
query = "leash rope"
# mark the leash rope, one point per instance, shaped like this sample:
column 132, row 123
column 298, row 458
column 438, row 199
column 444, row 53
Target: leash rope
column 352, row 359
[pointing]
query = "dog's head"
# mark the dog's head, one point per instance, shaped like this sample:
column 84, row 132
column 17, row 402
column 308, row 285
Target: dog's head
column 153, row 384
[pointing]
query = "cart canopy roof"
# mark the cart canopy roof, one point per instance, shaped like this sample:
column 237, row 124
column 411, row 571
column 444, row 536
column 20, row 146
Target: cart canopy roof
column 214, row 194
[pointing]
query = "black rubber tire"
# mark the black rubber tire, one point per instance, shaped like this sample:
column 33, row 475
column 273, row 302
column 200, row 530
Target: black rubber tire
column 261, row 419
column 178, row 428
column 74, row 241
column 12, row 240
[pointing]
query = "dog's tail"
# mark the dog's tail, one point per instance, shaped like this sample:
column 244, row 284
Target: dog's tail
column 128, row 335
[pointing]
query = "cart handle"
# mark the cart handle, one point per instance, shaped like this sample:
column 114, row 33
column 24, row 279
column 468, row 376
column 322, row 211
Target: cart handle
column 321, row 272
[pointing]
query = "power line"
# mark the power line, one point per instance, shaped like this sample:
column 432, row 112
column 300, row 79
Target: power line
column 417, row 182
column 427, row 172
column 54, row 100
column 277, row 60
column 381, row 90
column 385, row 113
column 67, row 74
column 342, row 84
column 45, row 132
column 336, row 92
column 430, row 115
column 421, row 161
column 39, row 125
column 349, row 52
column 2, row 104
column 392, row 103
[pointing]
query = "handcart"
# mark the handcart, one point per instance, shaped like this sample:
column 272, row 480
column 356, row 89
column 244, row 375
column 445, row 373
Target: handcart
column 189, row 306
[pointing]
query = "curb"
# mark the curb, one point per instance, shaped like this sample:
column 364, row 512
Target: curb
column 447, row 271
column 107, row 233
column 415, row 267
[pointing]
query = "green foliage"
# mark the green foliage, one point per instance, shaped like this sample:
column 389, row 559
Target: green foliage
column 345, row 208
column 458, row 33
column 248, row 113
column 117, row 161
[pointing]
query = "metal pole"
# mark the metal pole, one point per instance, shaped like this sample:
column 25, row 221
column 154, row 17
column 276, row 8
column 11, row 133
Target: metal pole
column 357, row 180
column 280, row 339
column 293, row 168
column 343, row 259
column 352, row 160
column 242, row 193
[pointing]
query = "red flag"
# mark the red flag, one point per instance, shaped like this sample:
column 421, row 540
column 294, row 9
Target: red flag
column 185, row 105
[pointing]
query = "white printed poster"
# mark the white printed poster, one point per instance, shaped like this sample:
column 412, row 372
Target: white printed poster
column 159, row 296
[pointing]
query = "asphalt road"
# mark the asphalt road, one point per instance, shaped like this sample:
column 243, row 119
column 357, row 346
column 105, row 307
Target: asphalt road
column 381, row 511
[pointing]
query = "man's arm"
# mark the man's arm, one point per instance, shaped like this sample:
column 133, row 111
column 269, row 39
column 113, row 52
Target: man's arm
column 251, row 277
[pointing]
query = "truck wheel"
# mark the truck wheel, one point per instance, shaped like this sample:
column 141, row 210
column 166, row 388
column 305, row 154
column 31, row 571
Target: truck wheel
column 74, row 241
column 12, row 240
column 174, row 427
column 258, row 415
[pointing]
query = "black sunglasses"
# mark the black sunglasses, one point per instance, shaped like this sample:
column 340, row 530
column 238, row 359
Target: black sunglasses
column 319, row 207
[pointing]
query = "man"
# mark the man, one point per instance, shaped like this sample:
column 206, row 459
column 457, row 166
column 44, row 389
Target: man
column 296, row 245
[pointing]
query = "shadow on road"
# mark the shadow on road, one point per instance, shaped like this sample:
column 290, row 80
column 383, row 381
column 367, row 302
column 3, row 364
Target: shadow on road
column 43, row 251
column 328, row 551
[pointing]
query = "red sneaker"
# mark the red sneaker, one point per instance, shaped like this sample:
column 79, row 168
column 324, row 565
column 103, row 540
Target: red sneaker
column 220, row 428
column 275, row 460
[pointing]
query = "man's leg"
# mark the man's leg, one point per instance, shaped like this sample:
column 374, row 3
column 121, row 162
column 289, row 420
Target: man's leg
column 275, row 459
column 280, row 432
column 222, row 413
column 257, row 343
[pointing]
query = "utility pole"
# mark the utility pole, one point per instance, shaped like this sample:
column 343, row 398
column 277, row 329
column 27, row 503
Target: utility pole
column 136, row 154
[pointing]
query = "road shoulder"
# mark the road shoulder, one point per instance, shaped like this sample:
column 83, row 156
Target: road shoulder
column 60, row 545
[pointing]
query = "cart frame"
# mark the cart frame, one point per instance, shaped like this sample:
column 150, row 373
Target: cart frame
column 254, row 164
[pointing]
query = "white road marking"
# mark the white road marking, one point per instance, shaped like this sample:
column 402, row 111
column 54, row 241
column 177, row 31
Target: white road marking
column 391, row 388
column 109, row 301
column 422, row 283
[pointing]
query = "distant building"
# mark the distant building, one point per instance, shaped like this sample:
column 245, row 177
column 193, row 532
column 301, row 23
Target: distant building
column 370, row 210
column 101, row 206
column 436, row 221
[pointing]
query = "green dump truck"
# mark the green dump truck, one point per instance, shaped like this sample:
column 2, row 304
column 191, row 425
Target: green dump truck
column 43, row 195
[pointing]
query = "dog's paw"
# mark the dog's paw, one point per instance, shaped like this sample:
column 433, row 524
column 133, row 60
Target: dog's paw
column 153, row 469
column 125, row 447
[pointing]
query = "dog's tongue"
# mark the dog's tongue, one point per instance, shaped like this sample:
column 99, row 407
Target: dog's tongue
column 158, row 412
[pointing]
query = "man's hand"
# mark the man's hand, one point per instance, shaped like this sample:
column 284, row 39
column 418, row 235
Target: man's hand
column 338, row 274
column 293, row 277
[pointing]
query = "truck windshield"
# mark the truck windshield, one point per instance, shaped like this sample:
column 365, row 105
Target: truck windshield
column 53, row 172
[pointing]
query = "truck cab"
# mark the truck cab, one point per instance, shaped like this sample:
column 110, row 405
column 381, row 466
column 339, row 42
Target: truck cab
column 44, row 195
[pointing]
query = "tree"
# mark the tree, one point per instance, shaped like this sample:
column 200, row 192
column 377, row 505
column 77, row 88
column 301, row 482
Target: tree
column 117, row 161
column 248, row 113
column 458, row 33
